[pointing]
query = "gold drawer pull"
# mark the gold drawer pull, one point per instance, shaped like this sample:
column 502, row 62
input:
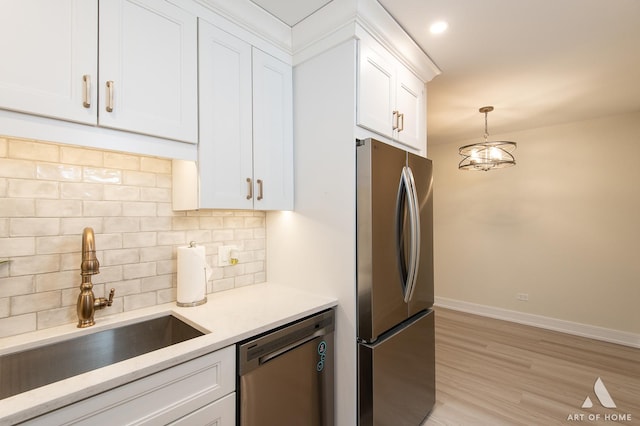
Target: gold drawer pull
column 260, row 197
column 109, row 96
column 250, row 188
column 86, row 91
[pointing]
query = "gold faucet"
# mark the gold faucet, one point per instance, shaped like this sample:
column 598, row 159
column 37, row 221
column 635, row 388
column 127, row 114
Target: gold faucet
column 87, row 302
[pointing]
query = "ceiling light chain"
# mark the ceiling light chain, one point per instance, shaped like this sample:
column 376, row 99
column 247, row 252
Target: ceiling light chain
column 486, row 111
column 487, row 155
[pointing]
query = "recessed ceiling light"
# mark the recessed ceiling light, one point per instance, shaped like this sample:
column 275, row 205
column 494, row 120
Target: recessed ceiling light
column 438, row 27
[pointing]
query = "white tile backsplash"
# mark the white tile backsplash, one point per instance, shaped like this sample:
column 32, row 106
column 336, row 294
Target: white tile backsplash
column 26, row 188
column 33, row 226
column 17, row 169
column 32, row 150
column 50, row 192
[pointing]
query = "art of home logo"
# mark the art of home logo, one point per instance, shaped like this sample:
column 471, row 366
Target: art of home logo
column 605, row 400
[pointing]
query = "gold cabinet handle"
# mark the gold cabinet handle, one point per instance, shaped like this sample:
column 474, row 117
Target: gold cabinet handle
column 260, row 197
column 394, row 120
column 86, row 91
column 400, row 122
column 109, row 96
column 250, row 188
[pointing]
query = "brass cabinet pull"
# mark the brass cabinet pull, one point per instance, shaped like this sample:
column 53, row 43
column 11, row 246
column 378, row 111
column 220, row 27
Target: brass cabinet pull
column 400, row 122
column 109, row 96
column 394, row 120
column 86, row 91
column 260, row 197
column 250, row 187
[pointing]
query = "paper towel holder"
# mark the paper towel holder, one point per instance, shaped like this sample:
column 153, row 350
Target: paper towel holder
column 192, row 304
column 192, row 244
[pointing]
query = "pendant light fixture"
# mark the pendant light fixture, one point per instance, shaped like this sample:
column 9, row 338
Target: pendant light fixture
column 487, row 155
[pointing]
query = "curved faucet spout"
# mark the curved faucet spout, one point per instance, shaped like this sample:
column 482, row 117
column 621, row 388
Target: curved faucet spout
column 90, row 264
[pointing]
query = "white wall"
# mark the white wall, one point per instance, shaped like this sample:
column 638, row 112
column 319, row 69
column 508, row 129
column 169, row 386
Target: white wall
column 563, row 225
column 313, row 247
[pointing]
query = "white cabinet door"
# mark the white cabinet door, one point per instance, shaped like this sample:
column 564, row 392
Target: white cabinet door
column 376, row 91
column 410, row 104
column 245, row 152
column 225, row 149
column 48, row 47
column 148, row 56
column 391, row 99
column 272, row 133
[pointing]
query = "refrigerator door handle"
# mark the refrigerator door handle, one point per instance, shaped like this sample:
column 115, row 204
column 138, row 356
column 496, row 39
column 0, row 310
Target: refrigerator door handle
column 407, row 194
column 414, row 217
column 403, row 192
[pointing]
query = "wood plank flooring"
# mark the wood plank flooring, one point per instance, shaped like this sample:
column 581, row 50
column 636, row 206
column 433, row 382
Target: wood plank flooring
column 492, row 372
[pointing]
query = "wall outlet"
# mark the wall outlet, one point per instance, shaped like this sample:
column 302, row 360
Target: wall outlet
column 227, row 255
column 523, row 297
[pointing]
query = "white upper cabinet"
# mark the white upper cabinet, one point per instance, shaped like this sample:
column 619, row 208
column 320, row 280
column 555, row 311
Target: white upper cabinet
column 225, row 152
column 391, row 99
column 376, row 90
column 272, row 133
column 49, row 58
column 125, row 64
column 411, row 107
column 148, row 69
column 245, row 152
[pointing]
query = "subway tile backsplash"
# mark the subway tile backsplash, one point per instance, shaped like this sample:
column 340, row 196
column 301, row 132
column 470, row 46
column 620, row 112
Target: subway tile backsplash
column 49, row 193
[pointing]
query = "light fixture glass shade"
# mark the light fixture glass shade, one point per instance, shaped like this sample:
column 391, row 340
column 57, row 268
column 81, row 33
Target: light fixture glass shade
column 487, row 155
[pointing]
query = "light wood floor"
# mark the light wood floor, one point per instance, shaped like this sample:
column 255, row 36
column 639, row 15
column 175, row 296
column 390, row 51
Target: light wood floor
column 492, row 372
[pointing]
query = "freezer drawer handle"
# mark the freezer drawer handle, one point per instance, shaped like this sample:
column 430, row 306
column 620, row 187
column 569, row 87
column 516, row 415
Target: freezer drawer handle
column 268, row 357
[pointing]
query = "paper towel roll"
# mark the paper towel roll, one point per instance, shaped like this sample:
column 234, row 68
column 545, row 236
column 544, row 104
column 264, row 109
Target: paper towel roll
column 192, row 276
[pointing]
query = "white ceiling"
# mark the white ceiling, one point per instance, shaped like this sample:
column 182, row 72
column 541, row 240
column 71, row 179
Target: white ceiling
column 538, row 62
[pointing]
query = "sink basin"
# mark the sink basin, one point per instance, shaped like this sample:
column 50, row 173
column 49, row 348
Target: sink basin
column 35, row 367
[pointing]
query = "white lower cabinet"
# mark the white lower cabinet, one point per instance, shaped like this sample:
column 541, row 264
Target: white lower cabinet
column 202, row 389
column 219, row 413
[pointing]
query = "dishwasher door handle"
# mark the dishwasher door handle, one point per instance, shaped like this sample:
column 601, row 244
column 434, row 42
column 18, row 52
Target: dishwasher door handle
column 271, row 355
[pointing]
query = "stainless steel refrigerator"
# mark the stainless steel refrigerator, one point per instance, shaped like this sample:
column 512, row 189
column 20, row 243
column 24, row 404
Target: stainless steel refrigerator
column 395, row 321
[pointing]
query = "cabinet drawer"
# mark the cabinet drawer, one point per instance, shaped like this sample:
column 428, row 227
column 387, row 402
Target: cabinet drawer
column 160, row 398
column 219, row 413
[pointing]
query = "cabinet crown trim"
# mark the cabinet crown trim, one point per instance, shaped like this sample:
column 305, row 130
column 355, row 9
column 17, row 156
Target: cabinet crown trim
column 340, row 21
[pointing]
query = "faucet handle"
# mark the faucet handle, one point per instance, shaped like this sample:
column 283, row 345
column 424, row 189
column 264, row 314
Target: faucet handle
column 103, row 302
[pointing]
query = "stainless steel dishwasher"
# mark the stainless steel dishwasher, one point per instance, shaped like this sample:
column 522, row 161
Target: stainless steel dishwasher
column 285, row 377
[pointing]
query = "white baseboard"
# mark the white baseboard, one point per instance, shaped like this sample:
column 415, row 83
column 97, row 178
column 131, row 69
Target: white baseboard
column 569, row 327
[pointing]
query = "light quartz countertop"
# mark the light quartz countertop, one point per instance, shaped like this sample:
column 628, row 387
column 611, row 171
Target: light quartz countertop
column 227, row 318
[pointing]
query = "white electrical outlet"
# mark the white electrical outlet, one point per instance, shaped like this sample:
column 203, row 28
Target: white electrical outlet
column 225, row 255
column 523, row 297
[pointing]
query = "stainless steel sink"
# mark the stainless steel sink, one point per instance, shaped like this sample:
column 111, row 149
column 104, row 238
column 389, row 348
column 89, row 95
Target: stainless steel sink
column 35, row 367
